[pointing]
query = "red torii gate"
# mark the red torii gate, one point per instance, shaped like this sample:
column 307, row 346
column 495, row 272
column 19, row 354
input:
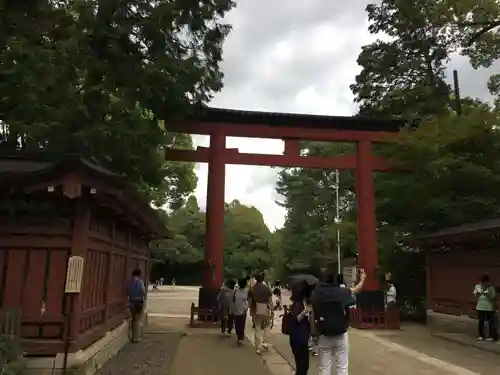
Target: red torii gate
column 291, row 128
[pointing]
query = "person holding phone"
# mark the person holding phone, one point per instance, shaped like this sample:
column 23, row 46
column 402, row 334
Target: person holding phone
column 485, row 307
column 300, row 329
column 330, row 303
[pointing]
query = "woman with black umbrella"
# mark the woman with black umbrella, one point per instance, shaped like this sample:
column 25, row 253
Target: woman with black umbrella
column 300, row 329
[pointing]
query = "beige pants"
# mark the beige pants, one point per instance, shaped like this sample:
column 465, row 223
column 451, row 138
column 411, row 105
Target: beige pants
column 136, row 325
column 262, row 329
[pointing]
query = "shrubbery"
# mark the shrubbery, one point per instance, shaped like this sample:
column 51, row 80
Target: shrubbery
column 11, row 356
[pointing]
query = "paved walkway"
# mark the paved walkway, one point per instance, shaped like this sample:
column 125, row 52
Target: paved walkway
column 205, row 352
column 410, row 351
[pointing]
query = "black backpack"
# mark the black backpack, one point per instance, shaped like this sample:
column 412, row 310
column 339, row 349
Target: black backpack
column 329, row 309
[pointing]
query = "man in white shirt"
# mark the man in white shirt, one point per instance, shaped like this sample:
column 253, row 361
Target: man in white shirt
column 391, row 294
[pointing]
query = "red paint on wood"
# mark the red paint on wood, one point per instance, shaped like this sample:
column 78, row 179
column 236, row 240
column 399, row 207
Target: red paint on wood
column 232, row 156
column 3, row 261
column 367, row 230
column 30, row 330
column 214, row 237
column 45, row 331
column 33, row 287
column 52, row 331
column 55, row 284
column 103, row 284
column 14, row 279
column 292, row 147
column 452, row 277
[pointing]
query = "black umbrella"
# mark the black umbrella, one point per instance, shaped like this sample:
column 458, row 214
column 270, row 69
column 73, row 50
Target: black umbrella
column 296, row 279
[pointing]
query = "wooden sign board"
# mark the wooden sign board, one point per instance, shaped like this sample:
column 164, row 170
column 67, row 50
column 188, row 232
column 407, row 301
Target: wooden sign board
column 350, row 274
column 74, row 275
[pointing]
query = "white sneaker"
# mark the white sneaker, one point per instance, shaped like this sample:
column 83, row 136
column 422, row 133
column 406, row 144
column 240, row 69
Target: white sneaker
column 480, row 338
column 489, row 339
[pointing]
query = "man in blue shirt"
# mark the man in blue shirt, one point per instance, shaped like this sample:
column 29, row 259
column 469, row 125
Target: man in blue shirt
column 136, row 293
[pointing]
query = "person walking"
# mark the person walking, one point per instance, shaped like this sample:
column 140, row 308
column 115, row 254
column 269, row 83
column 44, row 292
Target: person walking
column 261, row 299
column 240, row 308
column 300, row 329
column 330, row 303
column 136, row 293
column 391, row 294
column 485, row 295
column 225, row 301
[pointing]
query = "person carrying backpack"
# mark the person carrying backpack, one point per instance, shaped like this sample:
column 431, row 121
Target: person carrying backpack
column 239, row 310
column 136, row 293
column 225, row 301
column 261, row 300
column 330, row 303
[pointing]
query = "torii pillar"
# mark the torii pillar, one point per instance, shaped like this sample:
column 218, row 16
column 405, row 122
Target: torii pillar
column 214, row 230
column 367, row 225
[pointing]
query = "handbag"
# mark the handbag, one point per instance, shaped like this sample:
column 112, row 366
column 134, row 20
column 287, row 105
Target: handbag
column 261, row 309
column 286, row 322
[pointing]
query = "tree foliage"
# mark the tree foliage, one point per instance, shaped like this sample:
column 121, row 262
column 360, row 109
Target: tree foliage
column 309, row 236
column 247, row 245
column 405, row 72
column 448, row 172
column 105, row 77
column 448, row 151
column 445, row 172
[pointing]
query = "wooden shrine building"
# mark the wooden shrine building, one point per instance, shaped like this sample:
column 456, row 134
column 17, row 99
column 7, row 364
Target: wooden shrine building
column 50, row 211
column 457, row 257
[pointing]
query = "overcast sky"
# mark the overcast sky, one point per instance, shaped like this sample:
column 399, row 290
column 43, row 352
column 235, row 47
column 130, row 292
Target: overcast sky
column 293, row 56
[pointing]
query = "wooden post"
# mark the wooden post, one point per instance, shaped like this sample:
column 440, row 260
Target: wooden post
column 214, row 237
column 367, row 226
column 109, row 278
column 78, row 247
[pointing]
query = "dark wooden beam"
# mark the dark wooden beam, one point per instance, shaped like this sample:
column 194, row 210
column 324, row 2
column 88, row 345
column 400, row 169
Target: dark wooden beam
column 268, row 131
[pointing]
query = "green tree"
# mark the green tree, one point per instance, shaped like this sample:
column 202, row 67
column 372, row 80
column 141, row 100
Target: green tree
column 309, row 233
column 185, row 243
column 104, row 78
column 447, row 170
column 246, row 246
column 405, row 75
column 452, row 174
column 247, row 240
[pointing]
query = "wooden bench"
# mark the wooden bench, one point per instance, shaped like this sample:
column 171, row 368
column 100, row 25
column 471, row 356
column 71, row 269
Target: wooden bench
column 10, row 322
column 203, row 318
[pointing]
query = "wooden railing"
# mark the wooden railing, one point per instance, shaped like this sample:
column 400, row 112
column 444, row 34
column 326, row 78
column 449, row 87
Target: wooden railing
column 10, row 322
column 203, row 317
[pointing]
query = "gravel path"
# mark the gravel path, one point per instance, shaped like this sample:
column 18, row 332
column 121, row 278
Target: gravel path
column 153, row 355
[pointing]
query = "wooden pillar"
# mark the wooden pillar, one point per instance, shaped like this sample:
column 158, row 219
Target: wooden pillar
column 214, row 237
column 292, row 147
column 429, row 302
column 78, row 247
column 109, row 276
column 367, row 232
